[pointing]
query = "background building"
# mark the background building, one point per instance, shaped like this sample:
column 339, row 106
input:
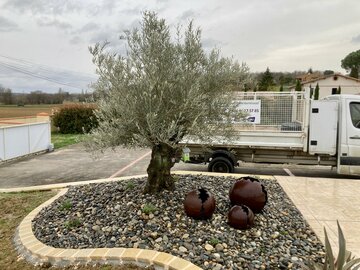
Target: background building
column 329, row 84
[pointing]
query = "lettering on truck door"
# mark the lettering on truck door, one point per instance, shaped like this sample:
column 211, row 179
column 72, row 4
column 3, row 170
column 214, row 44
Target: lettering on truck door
column 352, row 160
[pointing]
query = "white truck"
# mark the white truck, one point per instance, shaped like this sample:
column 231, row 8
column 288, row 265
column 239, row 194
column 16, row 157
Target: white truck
column 288, row 128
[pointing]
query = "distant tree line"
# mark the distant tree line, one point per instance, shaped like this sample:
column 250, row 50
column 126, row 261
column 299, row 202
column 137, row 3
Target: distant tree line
column 283, row 81
column 279, row 81
column 8, row 97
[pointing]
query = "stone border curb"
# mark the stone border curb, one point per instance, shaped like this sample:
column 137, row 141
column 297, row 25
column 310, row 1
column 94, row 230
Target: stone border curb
column 64, row 185
column 105, row 180
column 37, row 252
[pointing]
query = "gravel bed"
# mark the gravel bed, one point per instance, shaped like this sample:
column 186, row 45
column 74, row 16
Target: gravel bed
column 114, row 215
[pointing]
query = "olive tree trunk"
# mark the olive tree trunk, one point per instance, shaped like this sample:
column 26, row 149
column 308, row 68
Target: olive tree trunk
column 159, row 177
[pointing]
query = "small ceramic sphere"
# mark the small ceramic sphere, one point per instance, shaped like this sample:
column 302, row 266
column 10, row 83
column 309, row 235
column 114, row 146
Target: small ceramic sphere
column 199, row 204
column 241, row 217
column 248, row 191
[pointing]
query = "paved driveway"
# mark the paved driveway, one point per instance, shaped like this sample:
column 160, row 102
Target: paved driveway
column 71, row 164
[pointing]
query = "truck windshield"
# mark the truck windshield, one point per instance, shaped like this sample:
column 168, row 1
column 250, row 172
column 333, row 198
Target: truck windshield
column 355, row 114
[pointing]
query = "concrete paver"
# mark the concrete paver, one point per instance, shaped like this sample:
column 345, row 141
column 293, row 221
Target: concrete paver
column 324, row 201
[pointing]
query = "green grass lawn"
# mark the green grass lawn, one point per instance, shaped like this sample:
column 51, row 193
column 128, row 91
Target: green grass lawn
column 61, row 140
column 14, row 207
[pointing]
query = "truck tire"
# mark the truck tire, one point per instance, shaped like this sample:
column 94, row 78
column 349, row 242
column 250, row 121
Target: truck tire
column 221, row 164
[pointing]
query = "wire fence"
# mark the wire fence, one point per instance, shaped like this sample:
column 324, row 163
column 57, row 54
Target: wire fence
column 272, row 111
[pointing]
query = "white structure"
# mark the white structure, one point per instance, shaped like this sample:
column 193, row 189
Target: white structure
column 329, row 84
column 24, row 136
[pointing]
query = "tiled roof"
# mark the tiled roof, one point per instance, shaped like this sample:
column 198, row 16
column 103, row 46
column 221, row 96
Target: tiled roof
column 330, row 75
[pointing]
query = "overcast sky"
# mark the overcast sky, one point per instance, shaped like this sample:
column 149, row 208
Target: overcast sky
column 49, row 39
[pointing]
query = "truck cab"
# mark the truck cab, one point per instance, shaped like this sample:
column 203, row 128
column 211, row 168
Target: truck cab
column 348, row 145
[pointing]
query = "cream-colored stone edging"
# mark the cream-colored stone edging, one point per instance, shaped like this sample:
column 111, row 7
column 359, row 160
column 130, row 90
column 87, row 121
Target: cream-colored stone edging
column 106, row 180
column 236, row 175
column 38, row 252
column 64, row 185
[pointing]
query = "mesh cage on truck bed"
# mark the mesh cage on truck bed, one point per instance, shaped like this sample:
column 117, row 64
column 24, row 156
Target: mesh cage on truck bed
column 273, row 111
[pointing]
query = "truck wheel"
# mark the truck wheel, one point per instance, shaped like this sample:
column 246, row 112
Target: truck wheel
column 221, row 164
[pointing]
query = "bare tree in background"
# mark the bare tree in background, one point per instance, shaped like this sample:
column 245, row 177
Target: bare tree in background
column 161, row 91
column 6, row 96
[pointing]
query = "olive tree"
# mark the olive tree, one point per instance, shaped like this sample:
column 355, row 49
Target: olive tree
column 163, row 89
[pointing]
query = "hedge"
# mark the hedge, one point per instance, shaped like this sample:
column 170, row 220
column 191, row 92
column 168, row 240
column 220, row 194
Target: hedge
column 75, row 118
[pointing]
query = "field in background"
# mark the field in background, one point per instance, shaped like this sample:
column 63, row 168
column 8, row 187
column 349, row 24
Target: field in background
column 8, row 111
